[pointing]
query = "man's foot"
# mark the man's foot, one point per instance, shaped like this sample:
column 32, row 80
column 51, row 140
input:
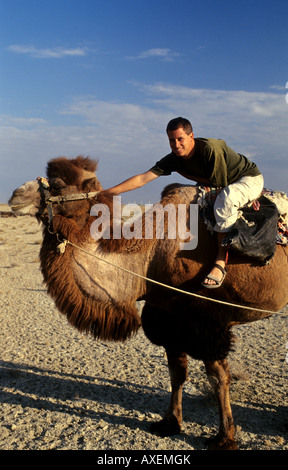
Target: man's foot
column 212, row 280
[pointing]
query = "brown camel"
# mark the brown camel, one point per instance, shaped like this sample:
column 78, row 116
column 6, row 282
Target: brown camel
column 100, row 299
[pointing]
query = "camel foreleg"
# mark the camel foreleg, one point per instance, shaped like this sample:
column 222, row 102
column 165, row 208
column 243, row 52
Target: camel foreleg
column 219, row 377
column 171, row 423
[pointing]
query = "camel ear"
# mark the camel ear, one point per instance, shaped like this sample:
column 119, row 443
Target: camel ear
column 89, row 185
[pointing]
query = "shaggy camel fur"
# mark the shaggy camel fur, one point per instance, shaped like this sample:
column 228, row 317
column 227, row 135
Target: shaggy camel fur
column 100, row 299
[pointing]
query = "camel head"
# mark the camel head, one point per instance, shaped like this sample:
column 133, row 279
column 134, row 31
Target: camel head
column 26, row 199
column 64, row 177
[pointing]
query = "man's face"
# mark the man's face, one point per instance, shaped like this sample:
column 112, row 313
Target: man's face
column 181, row 144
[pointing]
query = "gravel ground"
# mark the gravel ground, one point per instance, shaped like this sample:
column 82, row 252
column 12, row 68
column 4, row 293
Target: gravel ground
column 61, row 390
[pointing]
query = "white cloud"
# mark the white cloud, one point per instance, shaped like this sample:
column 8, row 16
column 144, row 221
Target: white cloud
column 47, row 53
column 232, row 113
column 128, row 138
column 278, row 87
column 20, row 122
column 163, row 54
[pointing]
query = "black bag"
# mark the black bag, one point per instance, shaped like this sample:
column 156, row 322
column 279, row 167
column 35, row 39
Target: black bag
column 254, row 234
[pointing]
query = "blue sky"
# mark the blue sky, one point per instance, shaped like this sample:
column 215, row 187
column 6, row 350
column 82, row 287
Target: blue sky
column 104, row 78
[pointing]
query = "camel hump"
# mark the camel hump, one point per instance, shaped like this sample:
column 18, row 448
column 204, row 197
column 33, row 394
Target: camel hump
column 181, row 190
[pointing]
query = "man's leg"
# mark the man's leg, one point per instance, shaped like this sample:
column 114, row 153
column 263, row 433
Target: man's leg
column 226, row 208
column 220, row 261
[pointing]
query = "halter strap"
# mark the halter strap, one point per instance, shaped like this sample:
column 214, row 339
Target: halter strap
column 50, row 200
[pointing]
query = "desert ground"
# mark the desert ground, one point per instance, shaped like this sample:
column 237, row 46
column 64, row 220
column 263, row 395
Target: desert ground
column 61, row 390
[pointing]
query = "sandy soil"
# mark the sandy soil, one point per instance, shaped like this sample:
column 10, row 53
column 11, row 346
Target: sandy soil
column 62, row 390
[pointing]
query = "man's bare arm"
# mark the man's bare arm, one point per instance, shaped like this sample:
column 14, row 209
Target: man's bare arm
column 134, row 182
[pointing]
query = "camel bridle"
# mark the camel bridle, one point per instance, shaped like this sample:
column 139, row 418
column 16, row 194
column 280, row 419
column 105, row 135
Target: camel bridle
column 49, row 200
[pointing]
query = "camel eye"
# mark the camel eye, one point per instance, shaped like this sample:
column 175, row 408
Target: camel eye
column 56, row 185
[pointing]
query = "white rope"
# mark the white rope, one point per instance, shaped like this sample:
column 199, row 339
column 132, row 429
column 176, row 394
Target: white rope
column 165, row 285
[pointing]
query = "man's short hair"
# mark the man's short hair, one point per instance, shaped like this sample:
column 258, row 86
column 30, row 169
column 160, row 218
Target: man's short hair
column 176, row 123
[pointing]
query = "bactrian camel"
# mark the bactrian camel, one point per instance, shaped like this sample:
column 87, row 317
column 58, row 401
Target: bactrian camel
column 100, row 299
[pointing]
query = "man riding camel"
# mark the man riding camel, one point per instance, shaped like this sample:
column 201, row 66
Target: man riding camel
column 212, row 163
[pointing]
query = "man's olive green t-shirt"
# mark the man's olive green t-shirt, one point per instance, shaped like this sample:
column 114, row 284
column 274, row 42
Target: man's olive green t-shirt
column 212, row 160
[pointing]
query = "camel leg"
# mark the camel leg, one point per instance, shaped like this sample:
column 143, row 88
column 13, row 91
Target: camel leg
column 171, row 423
column 219, row 377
